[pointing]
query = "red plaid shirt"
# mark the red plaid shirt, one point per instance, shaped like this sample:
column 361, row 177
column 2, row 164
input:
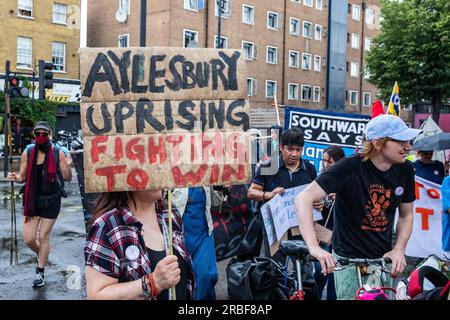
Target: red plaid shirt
column 113, row 232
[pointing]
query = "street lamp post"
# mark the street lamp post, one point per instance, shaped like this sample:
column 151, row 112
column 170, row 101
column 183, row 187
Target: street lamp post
column 219, row 25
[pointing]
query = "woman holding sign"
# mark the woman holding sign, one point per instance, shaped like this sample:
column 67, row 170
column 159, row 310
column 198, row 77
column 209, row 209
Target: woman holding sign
column 127, row 247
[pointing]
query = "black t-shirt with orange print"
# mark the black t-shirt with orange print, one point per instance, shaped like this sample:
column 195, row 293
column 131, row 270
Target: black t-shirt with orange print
column 366, row 201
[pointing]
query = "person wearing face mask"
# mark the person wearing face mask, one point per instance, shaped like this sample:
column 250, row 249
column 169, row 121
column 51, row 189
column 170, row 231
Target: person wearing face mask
column 42, row 166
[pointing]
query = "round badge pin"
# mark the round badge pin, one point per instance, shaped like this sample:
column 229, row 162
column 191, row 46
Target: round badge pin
column 132, row 252
column 436, row 172
column 398, row 191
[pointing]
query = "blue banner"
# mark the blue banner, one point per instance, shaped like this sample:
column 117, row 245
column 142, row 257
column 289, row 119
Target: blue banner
column 323, row 129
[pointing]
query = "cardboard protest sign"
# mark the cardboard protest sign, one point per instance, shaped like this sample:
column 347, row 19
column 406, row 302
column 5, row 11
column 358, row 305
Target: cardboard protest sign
column 426, row 236
column 163, row 118
column 323, row 128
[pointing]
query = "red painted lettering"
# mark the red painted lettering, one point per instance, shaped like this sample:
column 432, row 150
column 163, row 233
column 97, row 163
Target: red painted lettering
column 433, row 193
column 156, row 150
column 229, row 171
column 193, row 151
column 118, row 149
column 214, row 178
column 137, row 179
column 425, row 213
column 417, row 186
column 109, row 173
column 135, row 151
column 176, row 153
column 96, row 149
column 234, row 149
column 212, row 147
column 190, row 177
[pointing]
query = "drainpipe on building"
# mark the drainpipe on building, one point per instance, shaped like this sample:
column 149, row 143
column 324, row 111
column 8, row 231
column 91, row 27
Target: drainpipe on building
column 143, row 24
column 361, row 61
column 206, row 22
column 284, row 54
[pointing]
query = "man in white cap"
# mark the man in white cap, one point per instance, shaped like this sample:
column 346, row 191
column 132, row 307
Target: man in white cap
column 369, row 188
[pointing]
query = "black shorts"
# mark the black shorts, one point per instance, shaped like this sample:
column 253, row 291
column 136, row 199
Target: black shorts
column 51, row 212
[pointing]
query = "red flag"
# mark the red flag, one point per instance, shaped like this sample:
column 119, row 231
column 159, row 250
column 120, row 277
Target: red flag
column 377, row 108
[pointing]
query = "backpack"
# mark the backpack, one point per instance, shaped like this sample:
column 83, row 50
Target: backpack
column 439, row 280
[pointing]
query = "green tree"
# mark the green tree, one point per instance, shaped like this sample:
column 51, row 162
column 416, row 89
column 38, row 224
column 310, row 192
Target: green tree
column 413, row 48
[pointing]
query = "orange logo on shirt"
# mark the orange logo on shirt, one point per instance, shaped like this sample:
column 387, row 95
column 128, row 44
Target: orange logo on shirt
column 375, row 219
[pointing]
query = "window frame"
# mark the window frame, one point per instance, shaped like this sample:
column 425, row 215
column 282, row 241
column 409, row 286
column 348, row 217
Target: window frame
column 253, row 50
column 189, row 8
column 65, row 14
column 184, row 36
column 298, row 26
column 25, row 8
column 307, row 5
column 267, row 54
column 298, row 59
column 310, row 60
column 352, row 69
column 370, row 22
column 127, row 9
column 305, row 86
column 365, row 94
column 321, row 4
column 253, row 82
column 222, row 37
column 356, row 8
column 295, row 85
column 303, row 29
column 225, row 14
column 253, row 14
column 63, row 70
column 320, row 32
column 353, row 37
column 123, row 35
column 350, row 97
column 275, row 88
column 320, row 63
column 367, row 48
column 314, row 94
column 277, row 20
column 27, row 66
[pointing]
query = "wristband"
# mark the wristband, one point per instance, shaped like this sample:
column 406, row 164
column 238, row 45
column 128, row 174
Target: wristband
column 154, row 290
column 264, row 196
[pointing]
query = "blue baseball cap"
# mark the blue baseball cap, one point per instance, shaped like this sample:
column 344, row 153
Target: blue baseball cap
column 389, row 126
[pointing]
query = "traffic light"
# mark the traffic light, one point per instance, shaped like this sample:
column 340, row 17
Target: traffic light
column 15, row 91
column 45, row 77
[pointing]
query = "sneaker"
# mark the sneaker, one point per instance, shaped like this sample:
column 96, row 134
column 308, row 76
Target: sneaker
column 39, row 281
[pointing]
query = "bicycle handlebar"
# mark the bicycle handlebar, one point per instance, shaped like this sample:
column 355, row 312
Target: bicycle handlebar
column 344, row 262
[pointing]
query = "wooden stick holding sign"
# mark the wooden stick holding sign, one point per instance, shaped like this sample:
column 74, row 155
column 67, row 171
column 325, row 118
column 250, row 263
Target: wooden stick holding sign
column 276, row 109
column 169, row 199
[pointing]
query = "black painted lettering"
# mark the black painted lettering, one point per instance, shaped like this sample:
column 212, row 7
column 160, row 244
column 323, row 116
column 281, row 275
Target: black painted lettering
column 144, row 114
column 138, row 65
column 188, row 73
column 216, row 113
column 155, row 74
column 243, row 120
column 168, row 114
column 232, row 68
column 203, row 72
column 177, row 81
column 217, row 67
column 124, row 110
column 203, row 114
column 101, row 61
column 107, row 121
column 186, row 114
column 123, row 64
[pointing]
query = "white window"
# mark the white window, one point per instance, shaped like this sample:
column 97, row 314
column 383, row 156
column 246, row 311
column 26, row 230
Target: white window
column 25, row 8
column 124, row 5
column 319, row 4
column 124, row 40
column 191, row 4
column 248, row 14
column 272, row 20
column 293, row 91
column 353, row 96
column 307, row 29
column 188, row 36
column 318, row 32
column 355, row 40
column 370, row 17
column 366, row 73
column 249, row 50
column 59, row 13
column 297, row 1
column 251, row 87
column 59, row 56
column 317, row 63
column 308, row 3
column 294, row 59
column 271, row 88
column 306, row 93
column 306, row 61
column 294, row 26
column 367, row 43
column 223, row 42
column 24, row 52
column 354, row 69
column 272, row 55
column 316, row 94
column 356, row 12
column 225, row 8
column 366, row 99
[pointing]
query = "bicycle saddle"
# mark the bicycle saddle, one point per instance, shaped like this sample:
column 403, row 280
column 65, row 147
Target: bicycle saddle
column 295, row 248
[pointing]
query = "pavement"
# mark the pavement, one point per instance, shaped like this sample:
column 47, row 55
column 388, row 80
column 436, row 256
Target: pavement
column 64, row 274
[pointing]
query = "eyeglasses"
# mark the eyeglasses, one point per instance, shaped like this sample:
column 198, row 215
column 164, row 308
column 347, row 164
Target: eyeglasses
column 44, row 134
column 402, row 143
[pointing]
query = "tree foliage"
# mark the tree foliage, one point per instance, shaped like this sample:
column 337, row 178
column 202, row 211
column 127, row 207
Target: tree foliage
column 413, row 48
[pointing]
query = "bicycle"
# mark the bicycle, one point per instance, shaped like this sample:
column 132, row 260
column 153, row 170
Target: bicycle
column 376, row 283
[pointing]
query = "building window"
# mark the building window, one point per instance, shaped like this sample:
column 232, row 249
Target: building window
column 306, row 61
column 59, row 56
column 307, row 29
column 316, row 94
column 319, row 4
column 25, row 8
column 189, row 36
column 353, row 97
column 272, row 55
column 366, row 73
column 294, row 59
column 354, row 69
column 191, row 4
column 124, row 40
column 223, row 42
column 367, row 43
column 356, row 12
column 296, row 1
column 318, row 33
column 24, row 52
column 355, row 41
column 271, row 88
column 317, row 63
column 124, row 5
column 59, row 13
column 294, row 26
column 249, row 50
column 251, row 87
column 293, row 91
column 248, row 14
column 308, row 3
column 306, row 93
column 225, row 8
column 272, row 20
column 366, row 99
column 370, row 17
